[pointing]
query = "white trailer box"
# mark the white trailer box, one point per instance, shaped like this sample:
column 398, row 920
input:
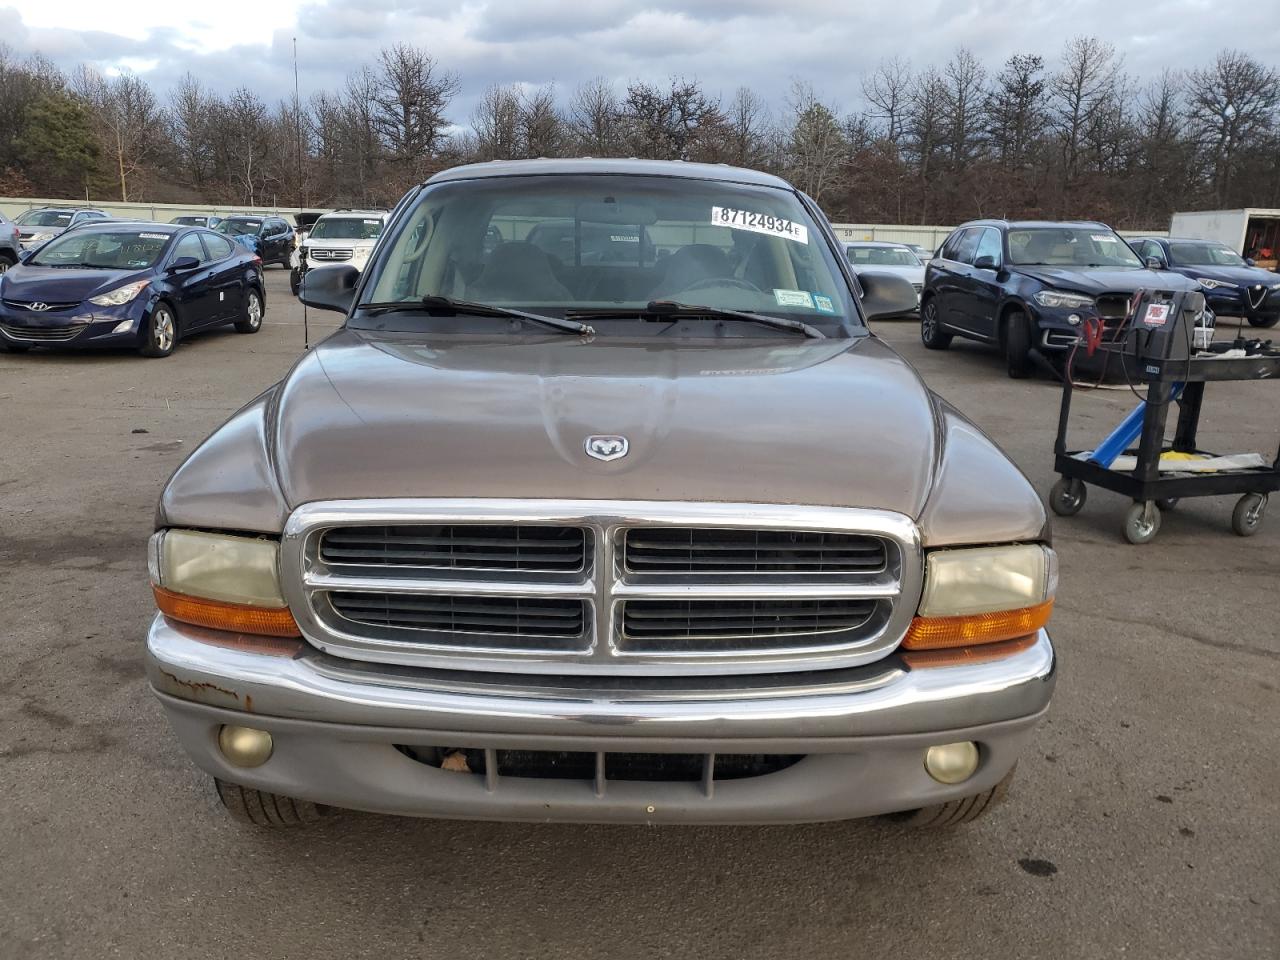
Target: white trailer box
column 1254, row 232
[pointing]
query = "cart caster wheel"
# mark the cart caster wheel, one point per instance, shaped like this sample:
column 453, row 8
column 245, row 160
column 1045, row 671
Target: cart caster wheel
column 1142, row 522
column 1246, row 518
column 1066, row 497
column 1168, row 503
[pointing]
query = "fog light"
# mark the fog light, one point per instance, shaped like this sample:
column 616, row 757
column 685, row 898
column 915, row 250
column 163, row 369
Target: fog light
column 122, row 327
column 245, row 746
column 951, row 762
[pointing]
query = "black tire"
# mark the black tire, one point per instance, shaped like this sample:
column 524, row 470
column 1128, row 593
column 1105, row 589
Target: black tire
column 1246, row 518
column 160, row 332
column 1264, row 321
column 931, row 333
column 6, row 261
column 1017, row 345
column 1141, row 523
column 955, row 812
column 295, row 280
column 262, row 809
column 1067, row 496
column 251, row 321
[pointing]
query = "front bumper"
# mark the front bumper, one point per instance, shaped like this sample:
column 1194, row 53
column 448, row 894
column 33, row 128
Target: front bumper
column 339, row 729
column 84, row 326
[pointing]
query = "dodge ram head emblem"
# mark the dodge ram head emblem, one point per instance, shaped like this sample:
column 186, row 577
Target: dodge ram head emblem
column 607, row 448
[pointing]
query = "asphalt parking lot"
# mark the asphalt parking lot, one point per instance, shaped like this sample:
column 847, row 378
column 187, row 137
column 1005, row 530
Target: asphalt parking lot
column 1143, row 822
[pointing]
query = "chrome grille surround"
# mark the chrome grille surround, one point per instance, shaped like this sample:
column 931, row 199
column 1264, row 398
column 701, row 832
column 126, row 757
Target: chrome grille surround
column 604, row 586
column 44, row 334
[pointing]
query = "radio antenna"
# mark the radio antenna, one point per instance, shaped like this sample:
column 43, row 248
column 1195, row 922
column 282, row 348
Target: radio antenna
column 297, row 141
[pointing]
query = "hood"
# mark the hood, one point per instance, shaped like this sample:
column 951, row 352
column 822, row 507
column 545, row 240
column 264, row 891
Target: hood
column 911, row 274
column 1096, row 280
column 823, row 422
column 1240, row 276
column 62, row 285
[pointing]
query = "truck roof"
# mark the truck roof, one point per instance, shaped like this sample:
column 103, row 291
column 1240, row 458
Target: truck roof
column 633, row 167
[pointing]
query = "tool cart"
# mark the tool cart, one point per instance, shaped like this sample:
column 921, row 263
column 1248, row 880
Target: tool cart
column 1156, row 346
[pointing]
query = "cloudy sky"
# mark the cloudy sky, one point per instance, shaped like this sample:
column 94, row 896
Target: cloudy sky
column 761, row 43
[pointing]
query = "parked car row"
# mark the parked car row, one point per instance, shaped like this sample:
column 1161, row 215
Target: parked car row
column 129, row 283
column 1032, row 287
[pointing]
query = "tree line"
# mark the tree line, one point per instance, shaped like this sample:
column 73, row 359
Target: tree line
column 938, row 144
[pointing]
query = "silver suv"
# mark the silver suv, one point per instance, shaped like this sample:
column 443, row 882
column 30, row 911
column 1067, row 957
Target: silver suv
column 647, row 529
column 9, row 244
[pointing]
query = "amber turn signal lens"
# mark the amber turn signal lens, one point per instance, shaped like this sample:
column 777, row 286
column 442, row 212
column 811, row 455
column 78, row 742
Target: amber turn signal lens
column 963, row 656
column 937, row 633
column 219, row 615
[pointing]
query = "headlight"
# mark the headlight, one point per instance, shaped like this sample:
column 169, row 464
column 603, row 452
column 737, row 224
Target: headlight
column 984, row 595
column 1057, row 298
column 113, row 298
column 220, row 581
column 1214, row 284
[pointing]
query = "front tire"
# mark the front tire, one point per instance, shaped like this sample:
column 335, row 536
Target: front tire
column 1264, row 321
column 931, row 333
column 1017, row 345
column 251, row 321
column 160, row 333
column 6, row 262
column 262, row 809
column 955, row 812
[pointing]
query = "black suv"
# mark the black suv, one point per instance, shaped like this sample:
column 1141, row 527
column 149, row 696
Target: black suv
column 1030, row 285
column 1233, row 286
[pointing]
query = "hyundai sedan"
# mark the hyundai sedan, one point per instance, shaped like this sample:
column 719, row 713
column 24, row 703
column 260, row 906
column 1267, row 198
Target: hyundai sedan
column 140, row 285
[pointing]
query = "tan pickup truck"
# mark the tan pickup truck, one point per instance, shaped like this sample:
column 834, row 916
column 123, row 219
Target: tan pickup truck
column 603, row 505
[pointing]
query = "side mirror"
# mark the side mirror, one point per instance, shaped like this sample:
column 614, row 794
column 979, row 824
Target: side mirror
column 986, row 263
column 886, row 295
column 329, row 288
column 1155, row 263
column 183, row 264
column 1248, row 262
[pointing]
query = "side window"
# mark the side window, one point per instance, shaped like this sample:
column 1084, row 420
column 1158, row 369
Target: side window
column 989, row 246
column 968, row 244
column 219, row 247
column 189, row 246
column 948, row 249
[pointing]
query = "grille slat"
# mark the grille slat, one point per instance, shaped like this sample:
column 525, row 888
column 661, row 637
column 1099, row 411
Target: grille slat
column 517, row 549
column 520, row 617
column 660, row 625
column 44, row 334
column 729, row 551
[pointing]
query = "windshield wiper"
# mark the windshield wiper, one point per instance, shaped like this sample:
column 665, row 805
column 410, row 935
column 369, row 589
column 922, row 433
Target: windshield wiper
column 449, row 307
column 674, row 310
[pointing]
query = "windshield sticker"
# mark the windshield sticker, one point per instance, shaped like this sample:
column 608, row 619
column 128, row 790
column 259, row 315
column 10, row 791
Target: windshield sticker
column 372, row 223
column 759, row 223
column 1102, row 237
column 823, row 304
column 793, row 298
column 624, row 238
column 153, row 236
column 139, row 263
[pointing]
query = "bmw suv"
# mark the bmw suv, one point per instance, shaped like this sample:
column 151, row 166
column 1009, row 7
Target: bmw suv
column 1032, row 286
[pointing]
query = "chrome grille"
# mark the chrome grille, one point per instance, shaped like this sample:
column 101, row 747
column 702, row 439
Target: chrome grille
column 44, row 334
column 26, row 305
column 460, row 619
column 666, row 626
column 729, row 552
column 332, row 253
column 601, row 587
column 1113, row 306
column 461, row 547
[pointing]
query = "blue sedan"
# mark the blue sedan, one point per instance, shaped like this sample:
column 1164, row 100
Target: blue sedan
column 1232, row 285
column 140, row 285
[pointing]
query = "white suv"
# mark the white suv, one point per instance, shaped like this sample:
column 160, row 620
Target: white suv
column 344, row 236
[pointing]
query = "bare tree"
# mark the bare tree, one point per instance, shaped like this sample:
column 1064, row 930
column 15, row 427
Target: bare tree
column 668, row 124
column 411, row 93
column 496, row 124
column 190, row 107
column 594, row 118
column 818, row 149
column 926, row 133
column 542, row 128
column 1230, row 104
column 746, row 128
column 1015, row 110
column 127, row 119
column 888, row 90
column 1084, row 87
column 964, row 92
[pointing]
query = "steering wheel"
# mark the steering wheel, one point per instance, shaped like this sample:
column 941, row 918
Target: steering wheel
column 707, row 282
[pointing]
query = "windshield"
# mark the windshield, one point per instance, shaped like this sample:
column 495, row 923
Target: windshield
column 44, row 218
column 103, row 250
column 1205, row 254
column 238, row 228
column 882, row 257
column 560, row 244
column 1070, row 247
column 347, row 228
